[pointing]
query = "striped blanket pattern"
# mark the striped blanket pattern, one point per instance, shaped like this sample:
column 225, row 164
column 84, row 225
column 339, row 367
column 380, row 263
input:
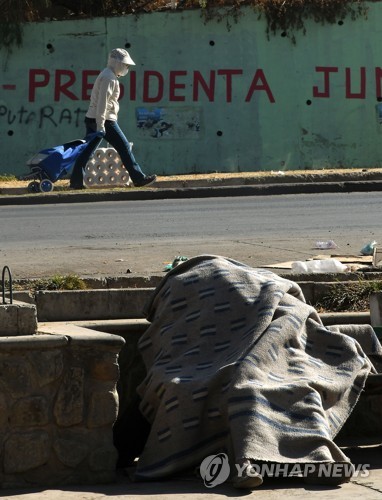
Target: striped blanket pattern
column 238, row 362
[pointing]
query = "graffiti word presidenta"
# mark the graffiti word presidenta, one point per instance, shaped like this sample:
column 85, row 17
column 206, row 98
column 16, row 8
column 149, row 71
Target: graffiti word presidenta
column 154, row 86
column 183, row 85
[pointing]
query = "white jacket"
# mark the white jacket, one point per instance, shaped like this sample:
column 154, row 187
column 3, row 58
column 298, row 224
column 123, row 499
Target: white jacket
column 104, row 98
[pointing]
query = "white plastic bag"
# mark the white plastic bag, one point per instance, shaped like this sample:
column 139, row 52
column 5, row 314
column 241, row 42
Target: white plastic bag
column 325, row 245
column 319, row 266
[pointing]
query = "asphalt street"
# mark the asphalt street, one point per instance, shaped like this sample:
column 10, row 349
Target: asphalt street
column 140, row 237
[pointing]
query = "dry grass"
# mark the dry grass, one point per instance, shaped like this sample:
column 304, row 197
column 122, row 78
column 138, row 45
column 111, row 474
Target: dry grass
column 285, row 16
column 266, row 173
column 35, row 10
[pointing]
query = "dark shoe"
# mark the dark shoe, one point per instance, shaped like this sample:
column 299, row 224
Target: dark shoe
column 146, row 181
column 249, row 480
column 79, row 186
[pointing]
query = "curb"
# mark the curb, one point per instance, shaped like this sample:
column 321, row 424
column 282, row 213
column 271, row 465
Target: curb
column 193, row 192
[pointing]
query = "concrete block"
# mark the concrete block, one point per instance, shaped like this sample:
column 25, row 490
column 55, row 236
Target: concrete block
column 307, row 289
column 375, row 301
column 18, row 318
column 377, row 256
column 314, row 291
column 91, row 304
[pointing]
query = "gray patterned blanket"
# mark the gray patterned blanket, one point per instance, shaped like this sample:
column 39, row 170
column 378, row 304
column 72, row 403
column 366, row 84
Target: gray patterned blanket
column 238, row 362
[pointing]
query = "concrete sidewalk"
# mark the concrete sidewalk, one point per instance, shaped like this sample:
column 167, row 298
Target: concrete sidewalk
column 190, row 488
column 206, row 185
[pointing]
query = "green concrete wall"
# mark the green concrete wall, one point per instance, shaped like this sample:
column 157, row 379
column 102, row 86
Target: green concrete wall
column 202, row 97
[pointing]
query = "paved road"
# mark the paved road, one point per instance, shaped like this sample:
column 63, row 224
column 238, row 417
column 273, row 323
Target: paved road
column 110, row 238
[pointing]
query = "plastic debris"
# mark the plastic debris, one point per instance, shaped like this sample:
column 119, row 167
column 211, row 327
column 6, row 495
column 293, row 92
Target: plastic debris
column 325, row 245
column 178, row 259
column 368, row 249
column 319, row 266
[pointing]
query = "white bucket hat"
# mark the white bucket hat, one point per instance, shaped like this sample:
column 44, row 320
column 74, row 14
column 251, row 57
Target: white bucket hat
column 121, row 55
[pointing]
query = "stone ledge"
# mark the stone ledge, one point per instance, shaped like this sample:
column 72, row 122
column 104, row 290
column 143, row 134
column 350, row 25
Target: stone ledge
column 34, row 342
column 111, row 326
column 79, row 336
